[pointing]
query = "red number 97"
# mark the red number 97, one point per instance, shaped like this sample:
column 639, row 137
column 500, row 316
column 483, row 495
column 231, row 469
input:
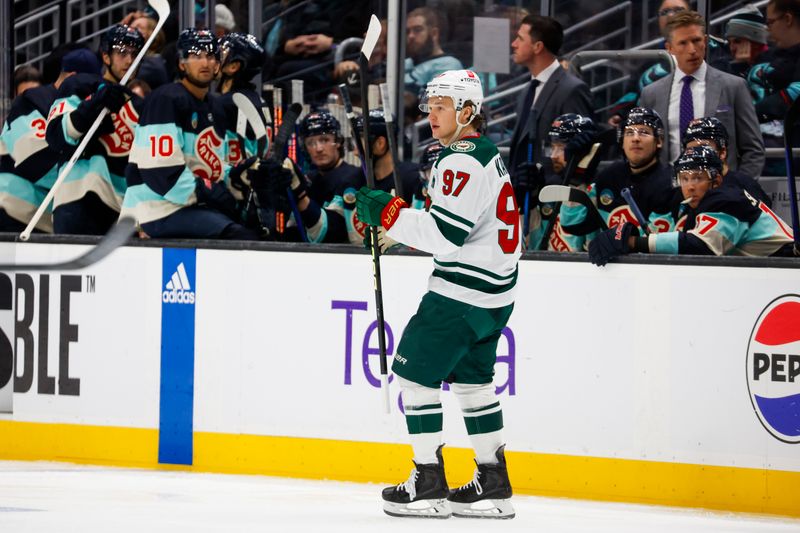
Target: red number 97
column 508, row 239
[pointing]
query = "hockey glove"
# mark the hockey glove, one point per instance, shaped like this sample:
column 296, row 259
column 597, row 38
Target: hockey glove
column 216, row 196
column 238, row 174
column 611, row 243
column 529, row 178
column 111, row 96
column 299, row 183
column 378, row 208
column 579, row 145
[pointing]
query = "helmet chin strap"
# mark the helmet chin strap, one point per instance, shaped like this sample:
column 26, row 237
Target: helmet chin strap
column 459, row 128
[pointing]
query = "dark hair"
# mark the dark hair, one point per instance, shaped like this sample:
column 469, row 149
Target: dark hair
column 683, row 19
column 25, row 73
column 479, row 119
column 546, row 29
column 432, row 19
column 786, row 6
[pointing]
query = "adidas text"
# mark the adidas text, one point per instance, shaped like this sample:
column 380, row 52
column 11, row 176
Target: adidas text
column 177, row 297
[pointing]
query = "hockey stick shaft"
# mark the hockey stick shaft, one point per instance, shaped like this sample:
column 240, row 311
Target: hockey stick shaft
column 628, row 196
column 116, row 237
column 351, row 117
column 563, row 193
column 371, row 38
column 390, row 137
column 526, row 211
column 161, row 7
column 789, row 125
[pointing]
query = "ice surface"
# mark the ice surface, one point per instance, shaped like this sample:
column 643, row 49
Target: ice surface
column 60, row 497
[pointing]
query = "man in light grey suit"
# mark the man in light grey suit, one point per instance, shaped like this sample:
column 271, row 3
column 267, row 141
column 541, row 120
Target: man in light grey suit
column 551, row 93
column 697, row 90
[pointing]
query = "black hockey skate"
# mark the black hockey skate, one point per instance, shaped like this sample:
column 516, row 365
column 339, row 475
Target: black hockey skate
column 488, row 495
column 423, row 495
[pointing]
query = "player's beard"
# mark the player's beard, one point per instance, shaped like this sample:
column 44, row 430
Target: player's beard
column 200, row 84
column 424, row 51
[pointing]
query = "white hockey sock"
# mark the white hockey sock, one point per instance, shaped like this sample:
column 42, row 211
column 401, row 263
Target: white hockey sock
column 423, row 418
column 483, row 418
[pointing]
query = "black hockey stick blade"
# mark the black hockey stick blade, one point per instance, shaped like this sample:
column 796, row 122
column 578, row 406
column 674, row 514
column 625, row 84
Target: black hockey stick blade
column 371, row 38
column 563, row 193
column 285, row 131
column 117, row 236
column 628, row 196
column 253, row 117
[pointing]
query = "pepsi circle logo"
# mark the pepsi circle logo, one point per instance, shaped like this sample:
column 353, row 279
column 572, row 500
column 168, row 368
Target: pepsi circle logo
column 773, row 368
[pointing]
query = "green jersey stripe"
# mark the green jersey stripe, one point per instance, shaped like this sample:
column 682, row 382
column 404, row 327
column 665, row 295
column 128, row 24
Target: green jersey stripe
column 471, row 282
column 477, row 425
column 465, row 266
column 452, row 233
column 449, row 214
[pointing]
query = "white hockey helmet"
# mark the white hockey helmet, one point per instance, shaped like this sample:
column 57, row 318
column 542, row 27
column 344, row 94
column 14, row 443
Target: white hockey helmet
column 459, row 85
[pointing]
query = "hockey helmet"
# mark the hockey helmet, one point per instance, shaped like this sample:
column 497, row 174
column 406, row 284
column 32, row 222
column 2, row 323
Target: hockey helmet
column 706, row 128
column 699, row 158
column 460, row 85
column 567, row 126
column 377, row 124
column 194, row 41
column 244, row 48
column 644, row 116
column 121, row 38
column 430, row 155
column 320, row 123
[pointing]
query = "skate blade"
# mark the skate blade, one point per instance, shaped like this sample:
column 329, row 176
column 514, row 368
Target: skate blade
column 439, row 509
column 492, row 509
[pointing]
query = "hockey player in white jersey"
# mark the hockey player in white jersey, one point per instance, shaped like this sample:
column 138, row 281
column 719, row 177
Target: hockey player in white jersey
column 472, row 230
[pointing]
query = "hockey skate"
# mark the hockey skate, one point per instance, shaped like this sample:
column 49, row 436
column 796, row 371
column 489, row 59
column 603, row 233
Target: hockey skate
column 488, row 495
column 423, row 495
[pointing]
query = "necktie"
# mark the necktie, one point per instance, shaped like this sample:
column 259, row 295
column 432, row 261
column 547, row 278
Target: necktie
column 686, row 106
column 526, row 107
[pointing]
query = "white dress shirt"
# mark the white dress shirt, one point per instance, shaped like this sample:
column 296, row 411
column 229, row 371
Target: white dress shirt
column 543, row 77
column 698, row 100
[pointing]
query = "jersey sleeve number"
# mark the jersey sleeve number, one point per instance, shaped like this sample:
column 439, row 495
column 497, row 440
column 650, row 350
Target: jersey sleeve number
column 39, row 125
column 508, row 213
column 161, row 145
column 448, row 182
column 705, row 223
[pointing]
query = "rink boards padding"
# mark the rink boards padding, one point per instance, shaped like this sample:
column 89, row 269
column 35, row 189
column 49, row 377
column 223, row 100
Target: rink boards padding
column 668, row 381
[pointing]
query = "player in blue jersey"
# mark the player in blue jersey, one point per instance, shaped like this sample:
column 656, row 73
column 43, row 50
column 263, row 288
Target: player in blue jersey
column 178, row 177
column 713, row 220
column 28, row 166
column 89, row 199
column 326, row 197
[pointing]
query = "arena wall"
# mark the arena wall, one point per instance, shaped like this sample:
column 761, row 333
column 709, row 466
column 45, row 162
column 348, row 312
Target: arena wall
column 670, row 384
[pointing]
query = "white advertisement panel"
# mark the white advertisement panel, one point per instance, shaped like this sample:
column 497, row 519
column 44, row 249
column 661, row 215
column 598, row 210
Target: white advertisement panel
column 87, row 342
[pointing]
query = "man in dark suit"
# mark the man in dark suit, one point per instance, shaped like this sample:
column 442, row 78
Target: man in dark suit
column 696, row 90
column 552, row 91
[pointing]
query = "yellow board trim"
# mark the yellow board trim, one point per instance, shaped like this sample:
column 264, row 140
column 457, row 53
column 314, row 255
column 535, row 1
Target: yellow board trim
column 621, row 480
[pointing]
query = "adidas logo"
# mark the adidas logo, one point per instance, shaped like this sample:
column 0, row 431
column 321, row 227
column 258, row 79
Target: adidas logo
column 178, row 290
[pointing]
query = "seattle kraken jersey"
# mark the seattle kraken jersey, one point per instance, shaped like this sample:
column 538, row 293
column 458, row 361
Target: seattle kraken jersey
column 472, row 227
column 28, row 166
column 101, row 166
column 179, row 140
column 728, row 221
column 333, row 194
column 237, row 129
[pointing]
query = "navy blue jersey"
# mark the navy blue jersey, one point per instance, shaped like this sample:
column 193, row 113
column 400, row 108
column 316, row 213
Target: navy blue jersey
column 101, row 166
column 334, row 192
column 734, row 178
column 409, row 174
column 179, row 140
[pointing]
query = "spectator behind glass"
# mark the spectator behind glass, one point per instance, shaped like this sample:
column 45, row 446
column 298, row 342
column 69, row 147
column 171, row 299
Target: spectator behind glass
column 26, row 77
column 153, row 68
column 426, row 59
column 746, row 33
column 302, row 42
column 223, row 20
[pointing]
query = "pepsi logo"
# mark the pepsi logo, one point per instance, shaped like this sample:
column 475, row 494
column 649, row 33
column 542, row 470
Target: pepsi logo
column 773, row 368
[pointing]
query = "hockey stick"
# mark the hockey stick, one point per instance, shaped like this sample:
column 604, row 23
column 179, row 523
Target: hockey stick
column 626, row 193
column 789, row 124
column 390, row 138
column 253, row 117
column 563, row 193
column 351, row 117
column 370, row 40
column 116, row 237
column 161, row 7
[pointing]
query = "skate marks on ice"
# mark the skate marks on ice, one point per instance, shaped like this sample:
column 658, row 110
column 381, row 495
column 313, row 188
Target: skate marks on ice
column 45, row 497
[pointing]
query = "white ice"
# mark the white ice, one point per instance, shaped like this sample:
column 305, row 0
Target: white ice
column 59, row 497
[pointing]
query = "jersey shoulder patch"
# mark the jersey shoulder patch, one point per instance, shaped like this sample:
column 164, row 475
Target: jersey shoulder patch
column 478, row 148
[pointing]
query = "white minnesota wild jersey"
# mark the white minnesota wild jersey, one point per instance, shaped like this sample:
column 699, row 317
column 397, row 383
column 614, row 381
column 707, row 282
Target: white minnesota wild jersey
column 472, row 227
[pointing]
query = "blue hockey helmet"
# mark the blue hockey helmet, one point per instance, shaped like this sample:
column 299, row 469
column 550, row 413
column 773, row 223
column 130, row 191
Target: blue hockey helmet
column 244, row 48
column 699, row 158
column 120, row 37
column 194, row 41
column 567, row 126
column 706, row 129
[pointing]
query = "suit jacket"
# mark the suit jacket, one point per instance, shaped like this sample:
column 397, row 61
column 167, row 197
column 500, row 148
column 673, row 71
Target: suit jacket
column 563, row 93
column 728, row 99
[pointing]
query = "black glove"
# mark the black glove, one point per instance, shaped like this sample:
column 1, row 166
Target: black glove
column 217, row 197
column 579, row 146
column 611, row 243
column 270, row 177
column 111, row 96
column 238, row 174
column 529, row 178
